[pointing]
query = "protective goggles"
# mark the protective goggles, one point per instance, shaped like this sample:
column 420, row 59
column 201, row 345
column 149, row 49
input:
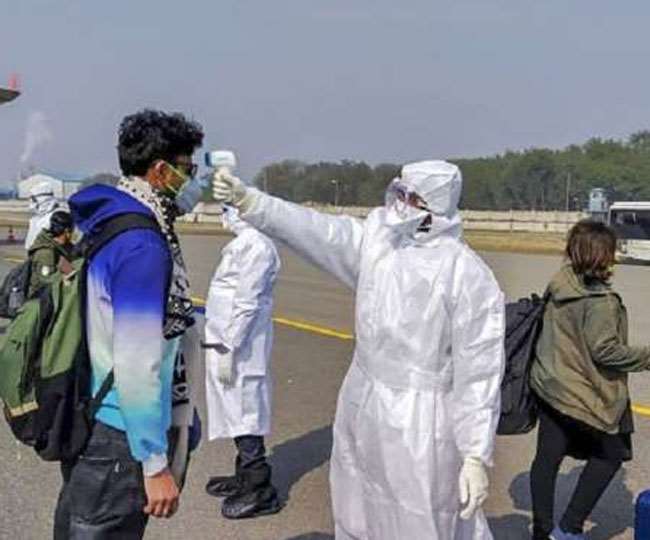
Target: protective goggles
column 398, row 191
column 36, row 198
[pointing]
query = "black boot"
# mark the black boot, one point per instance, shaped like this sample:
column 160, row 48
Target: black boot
column 225, row 486
column 256, row 497
column 222, row 486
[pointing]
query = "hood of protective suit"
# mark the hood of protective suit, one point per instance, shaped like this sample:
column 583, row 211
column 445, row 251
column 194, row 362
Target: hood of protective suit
column 438, row 184
column 232, row 222
column 42, row 205
column 42, row 199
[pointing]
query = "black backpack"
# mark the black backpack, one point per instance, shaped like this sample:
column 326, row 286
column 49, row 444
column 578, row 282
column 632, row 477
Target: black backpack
column 13, row 291
column 524, row 320
column 15, row 288
column 45, row 369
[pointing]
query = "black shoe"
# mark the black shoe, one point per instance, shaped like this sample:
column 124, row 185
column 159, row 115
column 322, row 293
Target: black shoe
column 538, row 535
column 261, row 501
column 222, row 486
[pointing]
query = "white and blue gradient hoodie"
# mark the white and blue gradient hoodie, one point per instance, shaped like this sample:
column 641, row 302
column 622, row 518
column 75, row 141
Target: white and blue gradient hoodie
column 127, row 290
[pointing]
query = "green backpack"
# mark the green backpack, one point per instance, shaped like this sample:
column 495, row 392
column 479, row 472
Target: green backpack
column 45, row 373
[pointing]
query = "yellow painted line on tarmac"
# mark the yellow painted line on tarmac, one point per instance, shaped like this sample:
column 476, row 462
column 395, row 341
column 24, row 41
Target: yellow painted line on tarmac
column 16, row 260
column 314, row 329
column 641, row 410
column 299, row 325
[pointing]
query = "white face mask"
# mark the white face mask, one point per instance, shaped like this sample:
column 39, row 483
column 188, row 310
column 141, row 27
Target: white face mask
column 42, row 203
column 405, row 219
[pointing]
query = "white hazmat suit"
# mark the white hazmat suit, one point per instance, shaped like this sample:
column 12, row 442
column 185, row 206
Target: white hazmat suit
column 418, row 410
column 239, row 318
column 42, row 204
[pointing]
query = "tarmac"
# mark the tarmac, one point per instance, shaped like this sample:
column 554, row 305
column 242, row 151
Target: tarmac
column 308, row 369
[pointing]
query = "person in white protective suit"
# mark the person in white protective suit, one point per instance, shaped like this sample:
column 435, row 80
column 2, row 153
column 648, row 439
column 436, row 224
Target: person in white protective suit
column 239, row 337
column 42, row 204
column 417, row 413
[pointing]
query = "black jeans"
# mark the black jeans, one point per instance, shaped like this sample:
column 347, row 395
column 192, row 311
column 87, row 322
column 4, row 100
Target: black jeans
column 103, row 494
column 552, row 446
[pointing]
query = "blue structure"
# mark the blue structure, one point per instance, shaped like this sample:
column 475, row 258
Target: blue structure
column 642, row 517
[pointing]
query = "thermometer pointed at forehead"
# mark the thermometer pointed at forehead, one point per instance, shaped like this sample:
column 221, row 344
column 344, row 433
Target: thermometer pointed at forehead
column 221, row 158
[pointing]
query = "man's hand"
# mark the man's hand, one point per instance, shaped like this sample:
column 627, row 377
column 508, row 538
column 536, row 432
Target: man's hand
column 229, row 189
column 162, row 494
column 473, row 484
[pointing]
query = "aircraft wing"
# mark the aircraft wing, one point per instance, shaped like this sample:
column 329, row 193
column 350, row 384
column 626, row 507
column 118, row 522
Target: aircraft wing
column 7, row 94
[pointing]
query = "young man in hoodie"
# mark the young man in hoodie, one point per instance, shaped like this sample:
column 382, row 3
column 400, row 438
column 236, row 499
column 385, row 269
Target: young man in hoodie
column 138, row 309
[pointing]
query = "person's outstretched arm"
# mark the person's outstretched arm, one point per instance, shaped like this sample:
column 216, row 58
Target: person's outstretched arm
column 332, row 243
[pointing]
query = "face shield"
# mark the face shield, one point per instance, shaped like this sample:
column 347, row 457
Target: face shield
column 41, row 203
column 407, row 212
column 402, row 197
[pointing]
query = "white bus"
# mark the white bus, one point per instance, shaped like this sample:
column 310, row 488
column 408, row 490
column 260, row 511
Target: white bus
column 631, row 221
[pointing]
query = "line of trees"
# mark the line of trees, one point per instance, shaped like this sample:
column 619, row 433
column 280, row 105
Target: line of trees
column 534, row 179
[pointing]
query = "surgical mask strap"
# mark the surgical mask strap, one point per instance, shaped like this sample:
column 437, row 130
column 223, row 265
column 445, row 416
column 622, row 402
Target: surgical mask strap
column 184, row 177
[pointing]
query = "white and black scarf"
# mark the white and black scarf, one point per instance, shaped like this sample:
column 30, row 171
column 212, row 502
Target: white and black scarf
column 178, row 316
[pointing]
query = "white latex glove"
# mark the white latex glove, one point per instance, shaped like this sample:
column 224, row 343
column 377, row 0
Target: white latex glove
column 473, row 484
column 225, row 369
column 229, row 189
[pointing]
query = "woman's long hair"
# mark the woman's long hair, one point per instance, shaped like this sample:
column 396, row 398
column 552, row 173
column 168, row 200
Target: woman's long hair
column 591, row 248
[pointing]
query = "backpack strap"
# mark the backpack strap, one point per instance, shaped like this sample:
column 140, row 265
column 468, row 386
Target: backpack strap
column 102, row 235
column 98, row 398
column 113, row 227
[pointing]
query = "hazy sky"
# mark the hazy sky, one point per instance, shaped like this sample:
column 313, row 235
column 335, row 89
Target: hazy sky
column 372, row 80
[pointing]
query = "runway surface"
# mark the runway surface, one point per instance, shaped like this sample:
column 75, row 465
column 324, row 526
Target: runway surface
column 308, row 371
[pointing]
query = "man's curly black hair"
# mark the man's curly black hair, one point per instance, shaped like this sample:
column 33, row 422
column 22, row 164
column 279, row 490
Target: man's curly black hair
column 150, row 135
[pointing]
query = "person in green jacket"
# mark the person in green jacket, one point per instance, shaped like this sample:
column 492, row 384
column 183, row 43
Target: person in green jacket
column 51, row 251
column 580, row 377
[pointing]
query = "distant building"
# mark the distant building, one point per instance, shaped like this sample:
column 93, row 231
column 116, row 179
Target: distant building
column 63, row 185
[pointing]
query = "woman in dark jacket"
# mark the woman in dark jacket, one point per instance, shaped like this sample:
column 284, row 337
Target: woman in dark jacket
column 580, row 376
